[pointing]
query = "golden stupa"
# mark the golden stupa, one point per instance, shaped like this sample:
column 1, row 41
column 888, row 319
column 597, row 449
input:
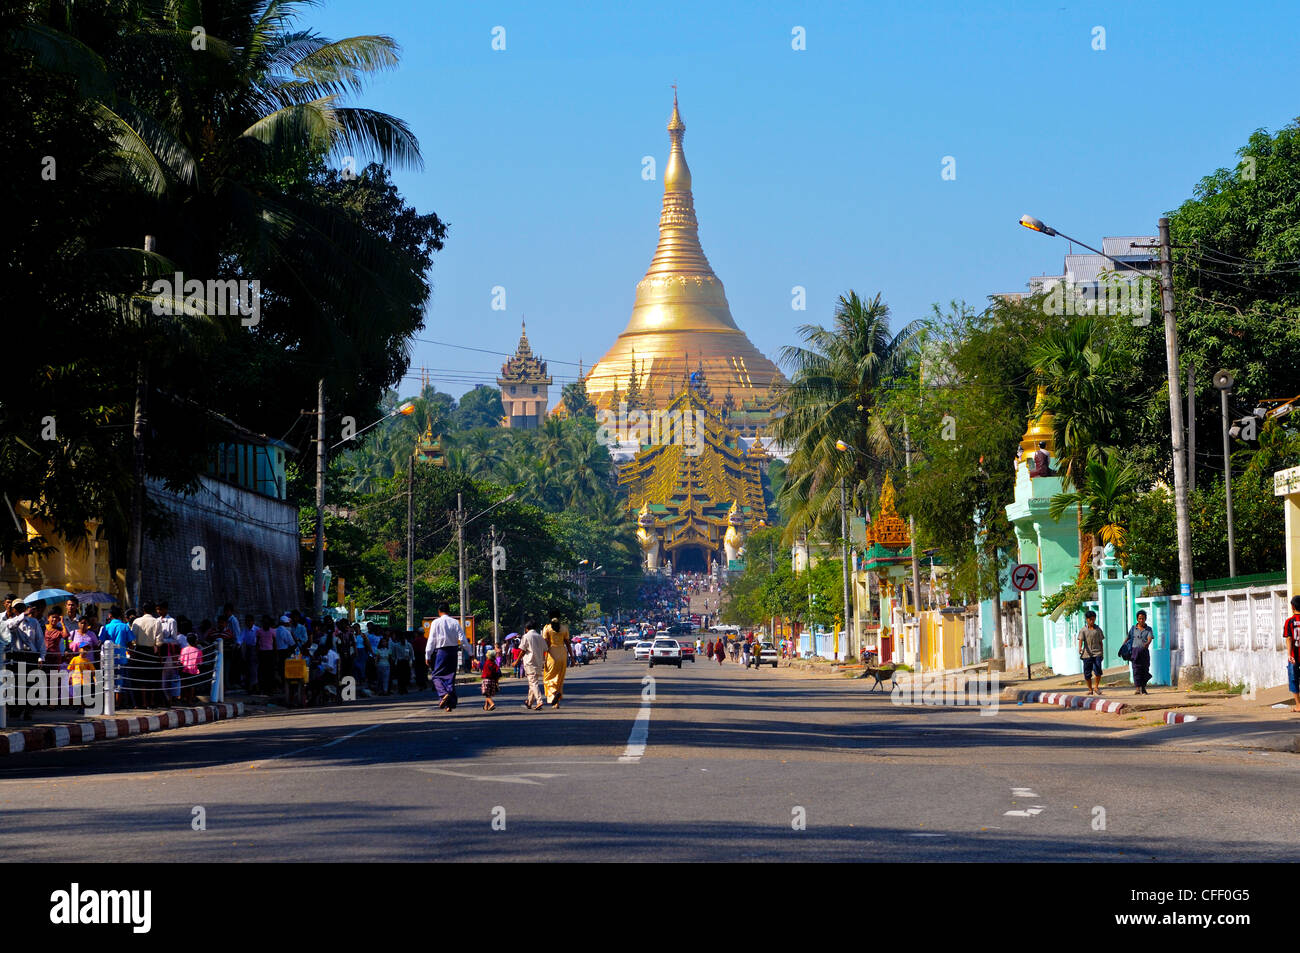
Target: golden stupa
column 681, row 332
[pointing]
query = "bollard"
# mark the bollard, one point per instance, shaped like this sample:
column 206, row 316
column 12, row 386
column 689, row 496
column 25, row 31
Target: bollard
column 110, row 680
column 4, row 709
column 218, row 690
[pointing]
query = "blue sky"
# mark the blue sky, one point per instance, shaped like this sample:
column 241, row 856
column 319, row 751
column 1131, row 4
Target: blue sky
column 818, row 167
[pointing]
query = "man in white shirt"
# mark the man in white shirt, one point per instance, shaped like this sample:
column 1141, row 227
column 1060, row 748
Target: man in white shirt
column 534, row 648
column 26, row 642
column 166, row 623
column 442, row 653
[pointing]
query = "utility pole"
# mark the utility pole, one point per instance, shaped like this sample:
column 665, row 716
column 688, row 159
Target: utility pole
column 460, row 549
column 1191, row 427
column 1223, row 380
column 410, row 543
column 496, row 629
column 318, row 580
column 844, row 550
column 1190, row 656
column 916, row 567
column 771, row 570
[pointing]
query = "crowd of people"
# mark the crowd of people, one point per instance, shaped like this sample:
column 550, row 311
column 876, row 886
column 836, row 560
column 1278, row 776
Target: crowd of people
column 160, row 659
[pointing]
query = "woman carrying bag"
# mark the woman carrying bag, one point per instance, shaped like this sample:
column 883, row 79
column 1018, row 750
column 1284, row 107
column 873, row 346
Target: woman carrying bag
column 1138, row 644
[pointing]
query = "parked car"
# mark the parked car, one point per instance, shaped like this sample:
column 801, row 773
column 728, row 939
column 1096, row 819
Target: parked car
column 665, row 652
column 767, row 655
column 642, row 651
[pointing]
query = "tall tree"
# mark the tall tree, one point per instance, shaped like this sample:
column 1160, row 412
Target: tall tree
column 835, row 385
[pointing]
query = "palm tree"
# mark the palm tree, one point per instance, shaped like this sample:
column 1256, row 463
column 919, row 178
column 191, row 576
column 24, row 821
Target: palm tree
column 1109, row 485
column 1082, row 370
column 832, row 395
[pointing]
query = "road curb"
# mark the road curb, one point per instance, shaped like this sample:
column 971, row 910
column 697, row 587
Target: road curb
column 1178, row 717
column 103, row 729
column 1065, row 700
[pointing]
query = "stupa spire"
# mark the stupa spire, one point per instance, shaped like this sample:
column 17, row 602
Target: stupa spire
column 681, row 307
column 679, row 251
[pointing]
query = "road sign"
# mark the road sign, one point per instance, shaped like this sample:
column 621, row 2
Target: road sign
column 1024, row 577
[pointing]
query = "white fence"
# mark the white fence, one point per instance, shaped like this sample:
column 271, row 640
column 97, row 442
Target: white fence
column 1240, row 634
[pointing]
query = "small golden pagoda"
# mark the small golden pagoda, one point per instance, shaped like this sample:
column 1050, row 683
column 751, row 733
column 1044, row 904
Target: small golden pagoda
column 681, row 332
column 1042, row 428
column 688, row 493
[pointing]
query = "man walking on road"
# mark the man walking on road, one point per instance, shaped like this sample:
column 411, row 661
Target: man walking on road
column 442, row 653
column 1092, row 646
column 534, row 650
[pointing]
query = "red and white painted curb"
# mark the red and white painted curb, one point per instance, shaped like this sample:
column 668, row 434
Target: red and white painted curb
column 1093, row 702
column 100, row 729
column 1096, row 703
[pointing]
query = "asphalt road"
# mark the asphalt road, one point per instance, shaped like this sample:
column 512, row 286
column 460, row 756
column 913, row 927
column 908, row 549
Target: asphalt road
column 722, row 764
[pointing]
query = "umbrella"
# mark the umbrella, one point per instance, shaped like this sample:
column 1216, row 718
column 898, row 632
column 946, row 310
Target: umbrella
column 94, row 598
column 45, row 595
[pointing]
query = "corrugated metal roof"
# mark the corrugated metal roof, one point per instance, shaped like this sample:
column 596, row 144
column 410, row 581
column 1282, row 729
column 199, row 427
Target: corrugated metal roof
column 1121, row 247
column 1081, row 268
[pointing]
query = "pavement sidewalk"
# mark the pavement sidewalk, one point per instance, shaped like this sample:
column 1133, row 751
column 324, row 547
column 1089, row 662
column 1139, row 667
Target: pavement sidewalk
column 1262, row 722
column 60, row 726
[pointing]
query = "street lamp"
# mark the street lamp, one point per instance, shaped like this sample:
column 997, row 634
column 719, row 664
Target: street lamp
column 1190, row 657
column 405, row 410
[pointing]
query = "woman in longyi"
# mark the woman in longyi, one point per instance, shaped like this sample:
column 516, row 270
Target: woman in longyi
column 557, row 659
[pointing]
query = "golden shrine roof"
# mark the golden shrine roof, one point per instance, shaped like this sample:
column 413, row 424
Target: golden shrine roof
column 888, row 528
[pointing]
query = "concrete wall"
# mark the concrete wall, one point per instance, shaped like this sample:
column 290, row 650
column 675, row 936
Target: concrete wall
column 250, row 546
column 1240, row 632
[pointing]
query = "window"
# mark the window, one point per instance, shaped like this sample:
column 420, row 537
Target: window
column 534, row 388
column 512, row 389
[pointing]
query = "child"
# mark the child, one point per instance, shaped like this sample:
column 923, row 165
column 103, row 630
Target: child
column 190, row 658
column 81, row 672
column 491, row 679
column 171, row 669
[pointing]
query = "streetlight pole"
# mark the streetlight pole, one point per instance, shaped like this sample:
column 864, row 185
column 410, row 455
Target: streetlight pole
column 460, row 555
column 1191, row 668
column 1224, row 381
column 916, row 566
column 410, row 543
column 496, row 629
column 844, row 551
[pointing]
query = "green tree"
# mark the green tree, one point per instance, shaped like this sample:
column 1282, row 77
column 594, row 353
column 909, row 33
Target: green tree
column 576, row 400
column 480, row 407
column 835, row 384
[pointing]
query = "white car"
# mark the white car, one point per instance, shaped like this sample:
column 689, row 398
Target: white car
column 642, row 651
column 767, row 655
column 665, row 652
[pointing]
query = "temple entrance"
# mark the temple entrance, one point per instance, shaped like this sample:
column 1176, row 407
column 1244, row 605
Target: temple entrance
column 691, row 559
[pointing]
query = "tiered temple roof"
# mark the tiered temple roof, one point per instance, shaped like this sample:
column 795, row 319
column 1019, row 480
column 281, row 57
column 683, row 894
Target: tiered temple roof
column 690, row 493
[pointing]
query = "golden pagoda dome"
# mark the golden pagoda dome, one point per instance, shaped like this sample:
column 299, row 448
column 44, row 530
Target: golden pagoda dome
column 1042, row 427
column 681, row 324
